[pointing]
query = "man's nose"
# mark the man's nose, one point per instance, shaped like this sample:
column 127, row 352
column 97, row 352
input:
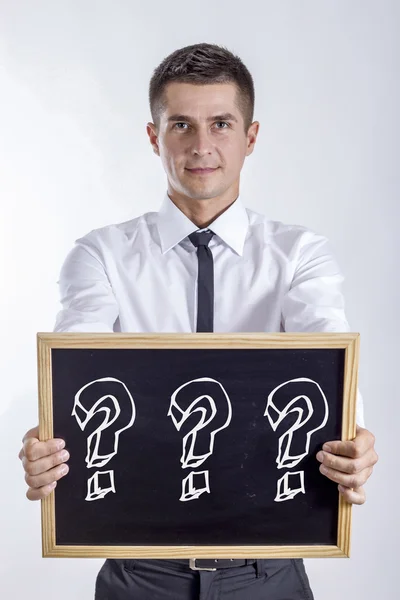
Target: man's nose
column 201, row 142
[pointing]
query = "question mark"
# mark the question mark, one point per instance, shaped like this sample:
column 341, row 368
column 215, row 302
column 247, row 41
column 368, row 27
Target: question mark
column 103, row 398
column 213, row 408
column 299, row 433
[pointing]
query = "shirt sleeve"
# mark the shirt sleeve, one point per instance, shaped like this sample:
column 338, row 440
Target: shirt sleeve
column 314, row 301
column 87, row 299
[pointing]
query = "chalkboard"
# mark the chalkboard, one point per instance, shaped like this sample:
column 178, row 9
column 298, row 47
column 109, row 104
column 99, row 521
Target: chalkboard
column 196, row 445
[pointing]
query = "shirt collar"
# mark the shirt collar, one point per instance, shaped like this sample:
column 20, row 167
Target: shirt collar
column 231, row 226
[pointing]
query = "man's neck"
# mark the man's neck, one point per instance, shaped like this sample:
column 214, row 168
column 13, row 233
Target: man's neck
column 202, row 212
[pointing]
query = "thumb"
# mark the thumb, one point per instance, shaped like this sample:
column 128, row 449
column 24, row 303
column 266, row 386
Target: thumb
column 32, row 433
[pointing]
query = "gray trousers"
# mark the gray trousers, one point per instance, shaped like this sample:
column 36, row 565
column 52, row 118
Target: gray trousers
column 269, row 579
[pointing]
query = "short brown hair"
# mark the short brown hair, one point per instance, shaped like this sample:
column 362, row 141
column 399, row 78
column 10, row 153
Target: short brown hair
column 202, row 64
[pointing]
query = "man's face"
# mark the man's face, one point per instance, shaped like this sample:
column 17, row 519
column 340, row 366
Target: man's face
column 196, row 131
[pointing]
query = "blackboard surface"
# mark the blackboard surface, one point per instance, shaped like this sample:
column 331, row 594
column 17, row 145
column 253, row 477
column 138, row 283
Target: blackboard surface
column 240, row 508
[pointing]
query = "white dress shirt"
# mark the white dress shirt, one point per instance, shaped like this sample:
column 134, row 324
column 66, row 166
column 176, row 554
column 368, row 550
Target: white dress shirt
column 141, row 276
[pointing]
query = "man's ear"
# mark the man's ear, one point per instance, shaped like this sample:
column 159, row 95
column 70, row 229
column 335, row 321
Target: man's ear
column 252, row 136
column 153, row 136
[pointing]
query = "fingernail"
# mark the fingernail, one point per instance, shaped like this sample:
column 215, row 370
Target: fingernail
column 60, row 444
column 64, row 455
column 326, row 448
column 320, row 456
column 53, row 485
column 64, row 469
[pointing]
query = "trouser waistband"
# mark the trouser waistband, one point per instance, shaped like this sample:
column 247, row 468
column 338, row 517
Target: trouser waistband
column 214, row 563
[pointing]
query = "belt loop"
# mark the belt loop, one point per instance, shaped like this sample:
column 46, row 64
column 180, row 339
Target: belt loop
column 260, row 567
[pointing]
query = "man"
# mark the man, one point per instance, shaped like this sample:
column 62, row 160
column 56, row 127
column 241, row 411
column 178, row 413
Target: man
column 152, row 274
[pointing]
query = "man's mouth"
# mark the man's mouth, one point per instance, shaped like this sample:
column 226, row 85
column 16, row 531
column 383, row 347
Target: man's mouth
column 202, row 171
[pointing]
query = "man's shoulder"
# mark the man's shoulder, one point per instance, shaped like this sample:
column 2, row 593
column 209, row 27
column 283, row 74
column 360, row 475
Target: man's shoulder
column 114, row 232
column 276, row 229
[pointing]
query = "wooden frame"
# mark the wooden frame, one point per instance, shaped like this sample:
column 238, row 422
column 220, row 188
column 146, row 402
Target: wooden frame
column 349, row 342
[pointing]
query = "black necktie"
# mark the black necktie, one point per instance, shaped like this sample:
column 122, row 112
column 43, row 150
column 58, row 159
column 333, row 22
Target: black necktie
column 205, row 280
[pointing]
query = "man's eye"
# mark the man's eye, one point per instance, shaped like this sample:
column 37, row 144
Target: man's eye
column 224, row 122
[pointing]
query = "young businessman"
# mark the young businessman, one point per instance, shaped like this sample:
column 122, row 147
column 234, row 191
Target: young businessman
column 145, row 275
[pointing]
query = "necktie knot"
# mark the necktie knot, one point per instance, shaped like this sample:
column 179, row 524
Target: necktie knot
column 201, row 238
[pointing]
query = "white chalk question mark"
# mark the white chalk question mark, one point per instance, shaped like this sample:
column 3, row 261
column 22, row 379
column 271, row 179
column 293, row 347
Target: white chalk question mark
column 277, row 410
column 109, row 404
column 214, row 412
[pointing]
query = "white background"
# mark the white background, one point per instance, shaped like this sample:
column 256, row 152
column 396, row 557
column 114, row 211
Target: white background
column 74, row 155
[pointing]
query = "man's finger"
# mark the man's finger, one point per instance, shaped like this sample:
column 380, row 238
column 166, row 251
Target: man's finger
column 33, row 449
column 44, row 465
column 340, row 448
column 46, row 478
column 42, row 492
column 348, row 465
column 351, row 481
column 355, row 496
column 363, row 441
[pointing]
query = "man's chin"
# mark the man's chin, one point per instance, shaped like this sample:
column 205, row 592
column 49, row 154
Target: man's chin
column 191, row 195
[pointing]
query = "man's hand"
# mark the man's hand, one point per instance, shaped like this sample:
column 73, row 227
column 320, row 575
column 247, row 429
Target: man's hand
column 41, row 462
column 350, row 464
